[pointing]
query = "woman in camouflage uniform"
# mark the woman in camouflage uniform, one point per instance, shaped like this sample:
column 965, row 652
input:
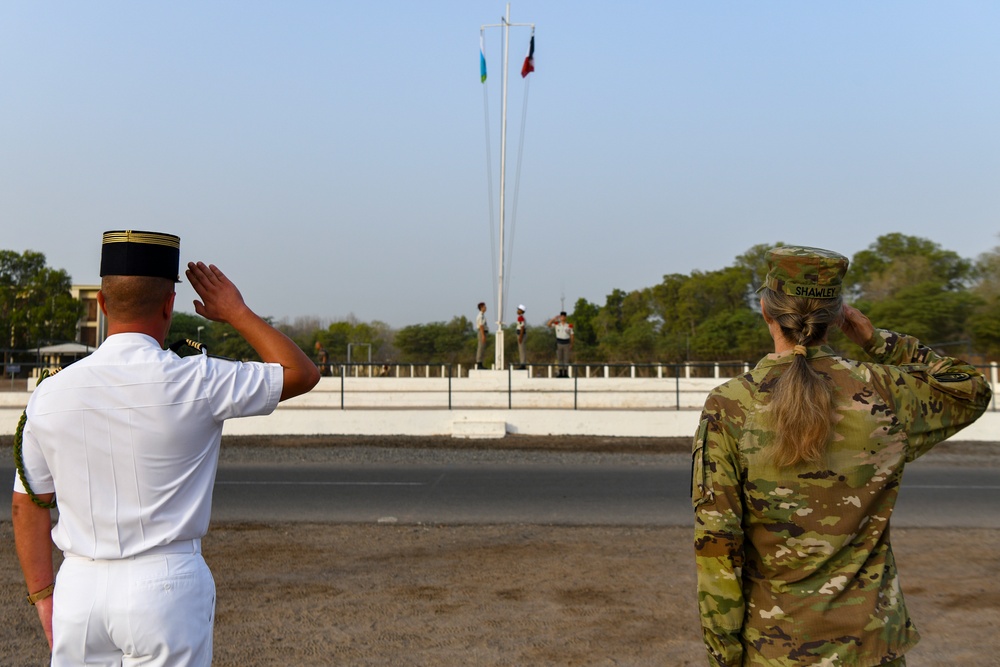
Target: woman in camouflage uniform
column 796, row 469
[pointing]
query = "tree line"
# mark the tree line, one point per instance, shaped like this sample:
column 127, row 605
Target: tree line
column 905, row 283
column 36, row 303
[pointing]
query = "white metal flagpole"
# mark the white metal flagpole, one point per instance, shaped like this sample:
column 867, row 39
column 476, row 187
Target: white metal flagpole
column 498, row 348
column 506, row 25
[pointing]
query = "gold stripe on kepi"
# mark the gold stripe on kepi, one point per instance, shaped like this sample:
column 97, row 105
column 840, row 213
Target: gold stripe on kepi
column 136, row 253
column 155, row 238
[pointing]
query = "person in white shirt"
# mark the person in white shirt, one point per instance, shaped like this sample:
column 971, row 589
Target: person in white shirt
column 564, row 342
column 127, row 440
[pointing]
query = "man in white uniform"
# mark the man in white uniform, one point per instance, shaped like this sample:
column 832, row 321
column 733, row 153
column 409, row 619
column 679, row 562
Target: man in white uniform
column 127, row 440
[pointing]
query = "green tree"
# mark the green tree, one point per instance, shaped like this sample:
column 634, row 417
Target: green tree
column 673, row 344
column 902, row 282
column 723, row 298
column 895, row 261
column 36, row 305
column 540, row 345
column 220, row 339
column 713, row 315
column 225, row 341
column 638, row 342
column 914, row 286
column 305, row 330
column 737, row 335
column 585, row 339
column 984, row 322
column 627, row 326
column 186, row 325
column 436, row 342
column 754, row 263
column 351, row 332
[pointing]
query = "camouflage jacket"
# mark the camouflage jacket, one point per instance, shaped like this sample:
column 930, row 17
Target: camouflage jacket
column 794, row 565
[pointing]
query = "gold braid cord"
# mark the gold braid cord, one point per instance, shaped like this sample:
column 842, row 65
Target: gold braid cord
column 19, row 455
column 176, row 346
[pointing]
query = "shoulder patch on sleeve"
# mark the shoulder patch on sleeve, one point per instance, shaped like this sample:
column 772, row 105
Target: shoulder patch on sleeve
column 702, row 490
column 952, row 377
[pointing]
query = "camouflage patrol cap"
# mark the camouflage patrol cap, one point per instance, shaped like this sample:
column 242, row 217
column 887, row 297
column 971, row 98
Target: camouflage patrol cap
column 807, row 272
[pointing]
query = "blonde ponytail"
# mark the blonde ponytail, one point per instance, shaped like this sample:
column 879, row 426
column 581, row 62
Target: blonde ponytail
column 802, row 400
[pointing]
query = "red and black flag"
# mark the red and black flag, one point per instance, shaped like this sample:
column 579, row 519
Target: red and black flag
column 529, row 62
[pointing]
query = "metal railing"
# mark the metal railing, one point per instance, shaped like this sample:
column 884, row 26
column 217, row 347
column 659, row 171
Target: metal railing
column 447, row 373
column 672, row 390
column 692, row 369
column 668, row 395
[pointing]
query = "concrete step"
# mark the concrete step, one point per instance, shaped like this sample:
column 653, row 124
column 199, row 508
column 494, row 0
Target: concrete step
column 467, row 428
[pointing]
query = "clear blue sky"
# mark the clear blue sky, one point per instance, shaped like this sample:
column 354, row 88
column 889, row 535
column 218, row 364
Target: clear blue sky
column 331, row 156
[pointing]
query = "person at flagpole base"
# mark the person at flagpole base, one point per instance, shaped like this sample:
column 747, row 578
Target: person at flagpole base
column 482, row 329
column 522, row 335
column 564, row 342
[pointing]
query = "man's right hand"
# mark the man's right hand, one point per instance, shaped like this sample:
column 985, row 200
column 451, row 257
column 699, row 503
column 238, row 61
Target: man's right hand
column 222, row 302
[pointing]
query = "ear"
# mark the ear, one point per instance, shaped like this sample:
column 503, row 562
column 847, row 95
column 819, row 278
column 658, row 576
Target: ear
column 168, row 305
column 100, row 302
column 763, row 311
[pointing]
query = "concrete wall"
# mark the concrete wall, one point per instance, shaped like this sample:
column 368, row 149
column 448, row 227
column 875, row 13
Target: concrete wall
column 419, row 406
column 486, row 389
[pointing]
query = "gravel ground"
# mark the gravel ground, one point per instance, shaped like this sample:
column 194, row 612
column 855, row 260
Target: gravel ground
column 445, row 450
column 512, row 449
column 436, row 596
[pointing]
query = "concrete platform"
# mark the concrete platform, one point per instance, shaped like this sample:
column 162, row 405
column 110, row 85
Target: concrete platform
column 478, row 429
column 490, row 405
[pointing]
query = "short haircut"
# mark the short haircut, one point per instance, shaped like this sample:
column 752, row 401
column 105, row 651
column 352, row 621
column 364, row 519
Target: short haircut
column 134, row 297
column 481, row 304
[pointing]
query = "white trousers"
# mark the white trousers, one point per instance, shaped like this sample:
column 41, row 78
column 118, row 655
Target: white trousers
column 153, row 610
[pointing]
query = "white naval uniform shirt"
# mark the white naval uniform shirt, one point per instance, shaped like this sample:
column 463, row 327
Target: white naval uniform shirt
column 128, row 438
column 481, row 322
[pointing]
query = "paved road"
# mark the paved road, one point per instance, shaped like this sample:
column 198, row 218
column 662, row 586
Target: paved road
column 932, row 495
column 942, row 496
column 545, row 494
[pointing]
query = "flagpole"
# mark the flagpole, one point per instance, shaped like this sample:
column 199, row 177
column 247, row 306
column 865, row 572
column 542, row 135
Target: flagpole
column 506, row 25
column 498, row 347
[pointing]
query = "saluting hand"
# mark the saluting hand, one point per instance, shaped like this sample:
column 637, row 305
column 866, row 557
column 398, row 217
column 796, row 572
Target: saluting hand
column 221, row 301
column 856, row 325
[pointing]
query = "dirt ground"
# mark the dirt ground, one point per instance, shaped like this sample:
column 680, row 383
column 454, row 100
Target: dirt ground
column 447, row 596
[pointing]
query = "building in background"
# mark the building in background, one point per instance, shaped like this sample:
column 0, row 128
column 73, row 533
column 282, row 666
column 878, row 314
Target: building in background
column 93, row 326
